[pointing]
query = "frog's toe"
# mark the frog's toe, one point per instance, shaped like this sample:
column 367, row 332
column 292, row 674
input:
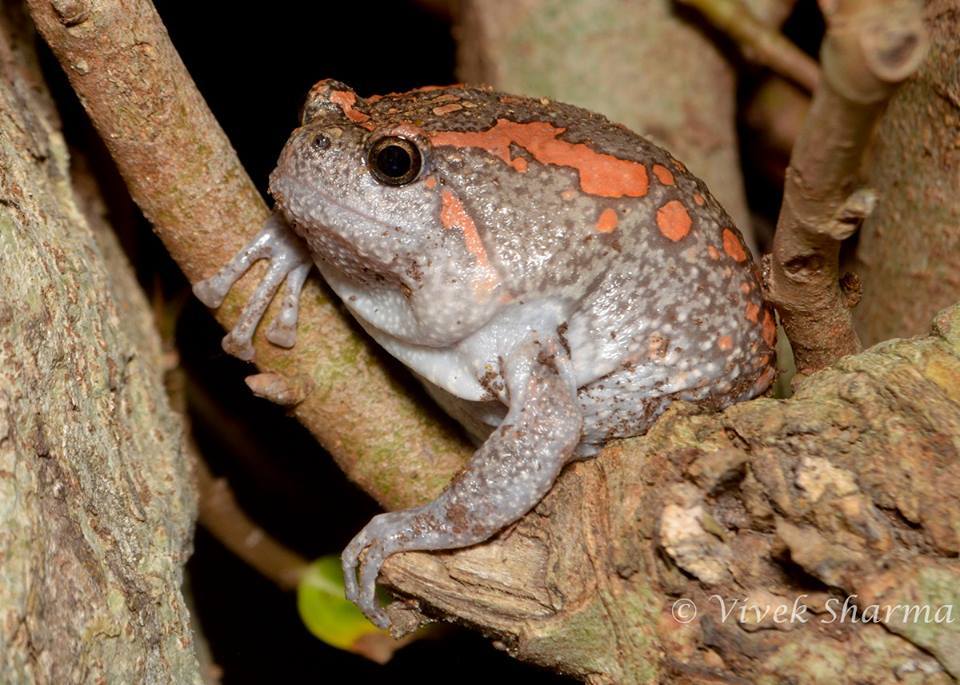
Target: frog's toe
column 364, row 593
column 350, row 559
column 367, row 597
column 283, row 329
column 239, row 345
column 384, row 535
column 211, row 291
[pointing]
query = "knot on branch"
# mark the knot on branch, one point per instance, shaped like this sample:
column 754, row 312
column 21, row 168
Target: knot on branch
column 71, row 12
column 894, row 41
column 279, row 389
column 871, row 47
column 852, row 289
column 851, row 214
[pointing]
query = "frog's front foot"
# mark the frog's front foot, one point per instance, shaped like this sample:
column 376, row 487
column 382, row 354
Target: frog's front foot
column 289, row 261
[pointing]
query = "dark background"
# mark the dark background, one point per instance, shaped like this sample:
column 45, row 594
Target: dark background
column 254, row 67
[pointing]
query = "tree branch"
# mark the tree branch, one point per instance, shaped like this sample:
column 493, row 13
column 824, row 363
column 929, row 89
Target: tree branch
column 870, row 47
column 758, row 42
column 184, row 175
column 222, row 516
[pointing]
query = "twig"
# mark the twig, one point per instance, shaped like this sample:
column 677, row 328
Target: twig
column 758, row 42
column 870, row 47
column 182, row 172
column 223, row 518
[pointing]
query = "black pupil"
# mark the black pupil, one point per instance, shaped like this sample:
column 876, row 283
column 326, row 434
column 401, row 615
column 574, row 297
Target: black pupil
column 394, row 161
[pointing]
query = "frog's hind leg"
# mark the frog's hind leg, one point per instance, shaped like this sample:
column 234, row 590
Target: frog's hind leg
column 504, row 479
column 289, row 260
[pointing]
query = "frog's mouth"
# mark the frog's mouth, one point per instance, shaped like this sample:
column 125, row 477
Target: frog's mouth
column 344, row 236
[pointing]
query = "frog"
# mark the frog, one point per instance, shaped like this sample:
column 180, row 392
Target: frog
column 554, row 279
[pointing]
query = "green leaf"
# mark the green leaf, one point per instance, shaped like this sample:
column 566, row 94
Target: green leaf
column 329, row 616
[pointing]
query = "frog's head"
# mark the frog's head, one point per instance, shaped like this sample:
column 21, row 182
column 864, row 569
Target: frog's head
column 357, row 181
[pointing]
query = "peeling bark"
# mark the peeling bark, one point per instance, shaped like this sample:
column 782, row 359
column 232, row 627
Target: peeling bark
column 909, row 251
column 96, row 497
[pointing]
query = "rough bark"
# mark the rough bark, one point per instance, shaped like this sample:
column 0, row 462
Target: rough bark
column 909, row 251
column 96, row 497
column 848, row 488
column 639, row 63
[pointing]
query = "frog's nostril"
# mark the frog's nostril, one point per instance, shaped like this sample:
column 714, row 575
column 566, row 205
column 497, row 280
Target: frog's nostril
column 320, row 142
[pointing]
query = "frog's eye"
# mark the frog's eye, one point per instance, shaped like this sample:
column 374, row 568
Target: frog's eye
column 394, row 161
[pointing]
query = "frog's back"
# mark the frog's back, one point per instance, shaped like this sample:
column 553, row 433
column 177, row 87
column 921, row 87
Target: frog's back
column 667, row 301
column 663, row 295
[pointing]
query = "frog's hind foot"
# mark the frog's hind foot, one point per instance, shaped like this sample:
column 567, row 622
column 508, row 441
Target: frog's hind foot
column 289, row 261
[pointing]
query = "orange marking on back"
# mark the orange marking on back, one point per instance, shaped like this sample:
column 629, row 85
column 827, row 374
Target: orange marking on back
column 713, row 252
column 430, row 182
column 346, row 101
column 732, row 246
column 447, row 109
column 753, row 312
column 673, row 220
column 725, row 343
column 663, row 174
column 745, row 288
column 454, row 215
column 520, row 164
column 698, row 199
column 607, row 221
column 769, row 331
column 600, row 174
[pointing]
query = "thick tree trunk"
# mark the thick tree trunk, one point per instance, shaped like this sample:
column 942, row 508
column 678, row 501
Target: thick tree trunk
column 909, row 251
column 96, row 496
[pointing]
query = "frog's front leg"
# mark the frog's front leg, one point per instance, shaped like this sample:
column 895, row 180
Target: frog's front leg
column 503, row 480
column 289, row 260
